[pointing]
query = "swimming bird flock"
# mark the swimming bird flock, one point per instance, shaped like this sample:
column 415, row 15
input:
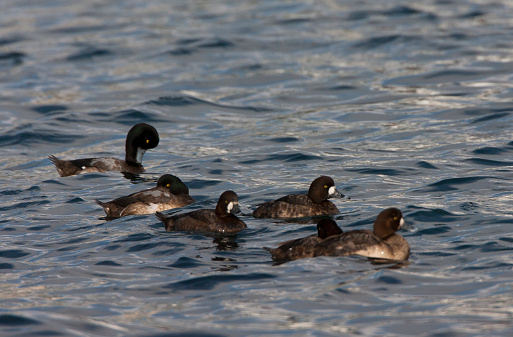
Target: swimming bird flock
column 330, row 240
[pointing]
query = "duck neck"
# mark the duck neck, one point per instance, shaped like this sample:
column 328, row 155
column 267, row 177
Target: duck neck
column 134, row 155
column 220, row 211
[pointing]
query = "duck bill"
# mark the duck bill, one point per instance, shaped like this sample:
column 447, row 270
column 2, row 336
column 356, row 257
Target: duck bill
column 139, row 155
column 334, row 193
column 404, row 226
column 235, row 209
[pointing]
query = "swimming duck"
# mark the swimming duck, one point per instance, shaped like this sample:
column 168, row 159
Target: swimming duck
column 220, row 220
column 381, row 243
column 327, row 227
column 314, row 203
column 170, row 192
column 307, row 246
column 140, row 138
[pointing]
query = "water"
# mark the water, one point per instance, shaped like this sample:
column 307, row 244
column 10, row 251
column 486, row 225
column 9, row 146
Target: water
column 405, row 104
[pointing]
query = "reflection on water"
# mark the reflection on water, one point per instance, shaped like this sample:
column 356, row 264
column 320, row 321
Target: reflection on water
column 405, row 105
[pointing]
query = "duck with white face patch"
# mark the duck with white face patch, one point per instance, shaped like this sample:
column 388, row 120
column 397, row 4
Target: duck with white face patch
column 222, row 219
column 313, row 203
column 140, row 138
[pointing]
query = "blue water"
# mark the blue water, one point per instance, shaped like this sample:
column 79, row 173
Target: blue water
column 404, row 104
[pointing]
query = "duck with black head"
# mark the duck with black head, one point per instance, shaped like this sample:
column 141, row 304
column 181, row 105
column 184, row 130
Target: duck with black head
column 140, row 138
column 313, row 203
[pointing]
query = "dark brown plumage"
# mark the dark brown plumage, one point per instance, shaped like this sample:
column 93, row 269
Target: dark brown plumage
column 305, row 247
column 169, row 193
column 327, row 227
column 220, row 220
column 382, row 242
column 314, row 203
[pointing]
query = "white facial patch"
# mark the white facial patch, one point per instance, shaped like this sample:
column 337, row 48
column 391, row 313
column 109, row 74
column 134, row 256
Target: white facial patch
column 332, row 190
column 401, row 222
column 139, row 155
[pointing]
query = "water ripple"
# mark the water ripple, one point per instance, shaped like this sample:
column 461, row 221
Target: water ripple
column 11, row 59
column 184, row 100
column 15, row 320
column 89, row 53
column 449, row 184
column 212, row 281
column 13, row 253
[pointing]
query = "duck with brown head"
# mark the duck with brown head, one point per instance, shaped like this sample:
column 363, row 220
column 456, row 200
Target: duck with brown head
column 313, row 203
column 222, row 219
column 381, row 243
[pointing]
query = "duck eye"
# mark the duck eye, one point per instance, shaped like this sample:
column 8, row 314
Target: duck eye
column 167, row 185
column 325, row 186
column 147, row 141
column 395, row 218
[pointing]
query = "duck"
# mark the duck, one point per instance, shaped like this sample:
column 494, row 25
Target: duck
column 381, row 243
column 140, row 138
column 222, row 219
column 305, row 247
column 313, row 203
column 169, row 193
column 327, row 227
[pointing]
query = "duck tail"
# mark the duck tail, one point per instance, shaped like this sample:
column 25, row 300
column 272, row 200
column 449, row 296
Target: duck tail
column 161, row 216
column 62, row 165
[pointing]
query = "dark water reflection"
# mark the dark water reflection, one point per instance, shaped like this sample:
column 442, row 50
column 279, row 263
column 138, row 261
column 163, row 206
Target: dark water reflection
column 404, row 105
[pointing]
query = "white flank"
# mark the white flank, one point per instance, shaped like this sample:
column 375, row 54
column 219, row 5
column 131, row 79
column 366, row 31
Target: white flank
column 152, row 208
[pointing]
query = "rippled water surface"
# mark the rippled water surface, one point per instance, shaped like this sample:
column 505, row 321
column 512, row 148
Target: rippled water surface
column 404, row 104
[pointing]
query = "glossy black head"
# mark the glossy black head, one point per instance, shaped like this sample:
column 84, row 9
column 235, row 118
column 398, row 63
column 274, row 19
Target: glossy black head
column 228, row 204
column 327, row 227
column 388, row 222
column 173, row 183
column 322, row 189
column 140, row 138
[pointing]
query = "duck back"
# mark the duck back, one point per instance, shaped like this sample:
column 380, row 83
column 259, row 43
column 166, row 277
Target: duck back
column 294, row 206
column 366, row 243
column 203, row 220
column 295, row 249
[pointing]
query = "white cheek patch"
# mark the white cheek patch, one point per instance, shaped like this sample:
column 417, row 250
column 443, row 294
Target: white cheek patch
column 229, row 207
column 401, row 223
column 139, row 155
column 331, row 191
